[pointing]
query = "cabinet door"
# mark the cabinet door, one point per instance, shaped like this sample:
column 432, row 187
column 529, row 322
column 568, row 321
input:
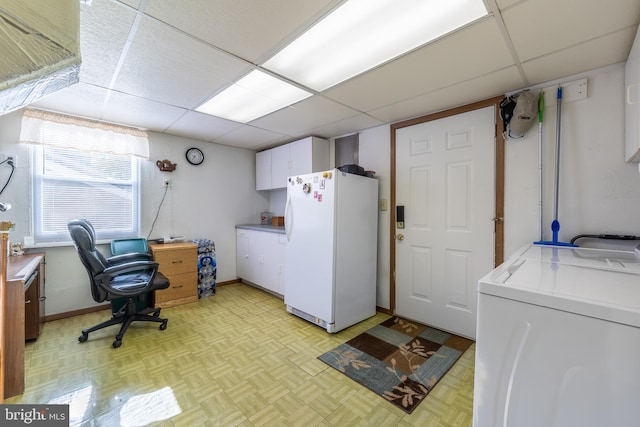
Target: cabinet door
column 42, row 296
column 259, row 259
column 263, row 170
column 31, row 310
column 280, row 249
column 632, row 103
column 280, row 166
column 242, row 254
column 301, row 156
column 309, row 155
column 271, row 267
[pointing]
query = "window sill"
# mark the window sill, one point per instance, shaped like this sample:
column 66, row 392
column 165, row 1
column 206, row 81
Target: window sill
column 61, row 244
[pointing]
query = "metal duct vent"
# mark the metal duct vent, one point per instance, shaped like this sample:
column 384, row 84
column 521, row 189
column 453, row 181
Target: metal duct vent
column 40, row 50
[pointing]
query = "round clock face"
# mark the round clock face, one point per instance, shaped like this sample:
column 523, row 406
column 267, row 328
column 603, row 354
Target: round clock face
column 194, row 156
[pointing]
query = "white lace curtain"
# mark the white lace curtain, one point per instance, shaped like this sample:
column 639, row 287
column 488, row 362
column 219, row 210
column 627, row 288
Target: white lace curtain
column 58, row 130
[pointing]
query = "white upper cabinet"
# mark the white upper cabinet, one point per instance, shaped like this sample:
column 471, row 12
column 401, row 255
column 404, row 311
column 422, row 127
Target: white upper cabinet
column 280, row 165
column 263, row 170
column 632, row 103
column 307, row 155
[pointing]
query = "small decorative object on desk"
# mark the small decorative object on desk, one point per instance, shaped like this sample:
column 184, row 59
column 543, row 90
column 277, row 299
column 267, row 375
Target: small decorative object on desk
column 207, row 267
column 17, row 249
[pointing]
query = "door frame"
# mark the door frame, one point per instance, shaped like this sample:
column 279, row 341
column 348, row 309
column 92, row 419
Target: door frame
column 498, row 220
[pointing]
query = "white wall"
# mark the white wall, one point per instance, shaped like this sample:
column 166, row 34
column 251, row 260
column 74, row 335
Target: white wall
column 374, row 146
column 203, row 201
column 599, row 192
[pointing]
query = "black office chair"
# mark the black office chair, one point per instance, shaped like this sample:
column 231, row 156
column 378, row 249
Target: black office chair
column 126, row 275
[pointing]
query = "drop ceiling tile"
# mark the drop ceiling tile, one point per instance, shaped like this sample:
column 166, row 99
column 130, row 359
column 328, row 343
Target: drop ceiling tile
column 80, row 100
column 168, row 66
column 83, row 100
column 545, row 26
column 202, row 126
column 503, row 4
column 346, row 126
column 132, row 3
column 307, row 114
column 104, row 28
column 252, row 30
column 484, row 87
column 251, row 137
column 472, row 51
column 613, row 48
column 140, row 112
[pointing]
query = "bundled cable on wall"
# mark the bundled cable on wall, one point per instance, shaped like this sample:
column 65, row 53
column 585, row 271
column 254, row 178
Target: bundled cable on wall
column 166, row 188
column 9, row 161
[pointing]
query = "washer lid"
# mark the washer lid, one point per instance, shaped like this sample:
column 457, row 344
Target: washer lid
column 598, row 283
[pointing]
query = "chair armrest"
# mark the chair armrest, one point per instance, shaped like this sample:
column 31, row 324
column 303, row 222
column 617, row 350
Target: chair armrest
column 125, row 258
column 129, row 279
column 116, row 270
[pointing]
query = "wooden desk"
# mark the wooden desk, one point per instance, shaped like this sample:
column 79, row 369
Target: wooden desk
column 25, row 275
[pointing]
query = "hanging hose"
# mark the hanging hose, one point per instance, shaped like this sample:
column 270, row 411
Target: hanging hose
column 605, row 236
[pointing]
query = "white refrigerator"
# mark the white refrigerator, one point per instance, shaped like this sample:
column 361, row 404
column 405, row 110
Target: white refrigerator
column 331, row 224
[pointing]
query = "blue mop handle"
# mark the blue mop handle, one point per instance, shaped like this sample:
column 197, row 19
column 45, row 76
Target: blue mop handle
column 555, row 228
column 557, row 171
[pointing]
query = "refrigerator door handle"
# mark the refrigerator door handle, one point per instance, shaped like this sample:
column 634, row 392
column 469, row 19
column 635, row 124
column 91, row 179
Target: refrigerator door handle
column 288, row 219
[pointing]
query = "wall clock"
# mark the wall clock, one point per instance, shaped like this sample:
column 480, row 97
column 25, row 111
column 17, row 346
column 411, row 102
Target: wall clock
column 194, row 156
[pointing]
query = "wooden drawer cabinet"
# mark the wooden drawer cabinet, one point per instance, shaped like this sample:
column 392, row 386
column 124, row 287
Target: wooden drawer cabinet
column 24, row 314
column 179, row 262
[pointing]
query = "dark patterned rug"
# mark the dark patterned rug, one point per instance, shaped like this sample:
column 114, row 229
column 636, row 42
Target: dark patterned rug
column 400, row 360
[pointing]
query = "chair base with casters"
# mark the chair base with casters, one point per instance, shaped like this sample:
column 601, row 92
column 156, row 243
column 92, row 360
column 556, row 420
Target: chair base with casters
column 128, row 277
column 126, row 316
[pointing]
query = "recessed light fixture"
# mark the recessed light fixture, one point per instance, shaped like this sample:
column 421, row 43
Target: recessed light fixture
column 253, row 96
column 362, row 34
column 357, row 36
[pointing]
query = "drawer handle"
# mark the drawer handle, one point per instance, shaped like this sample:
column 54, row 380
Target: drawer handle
column 43, row 298
column 28, row 301
column 177, row 262
column 177, row 287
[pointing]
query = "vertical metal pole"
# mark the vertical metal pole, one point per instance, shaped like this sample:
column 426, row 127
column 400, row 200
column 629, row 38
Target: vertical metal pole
column 540, row 174
column 557, row 177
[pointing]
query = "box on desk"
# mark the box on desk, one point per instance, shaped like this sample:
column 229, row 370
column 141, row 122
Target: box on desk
column 277, row 220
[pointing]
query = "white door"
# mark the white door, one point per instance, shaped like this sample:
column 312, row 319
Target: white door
column 445, row 181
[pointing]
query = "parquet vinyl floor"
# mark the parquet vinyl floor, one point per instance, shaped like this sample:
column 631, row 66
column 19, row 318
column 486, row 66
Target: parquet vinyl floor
column 233, row 359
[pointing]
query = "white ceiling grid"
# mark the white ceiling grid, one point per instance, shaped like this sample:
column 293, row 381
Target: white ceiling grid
column 182, row 53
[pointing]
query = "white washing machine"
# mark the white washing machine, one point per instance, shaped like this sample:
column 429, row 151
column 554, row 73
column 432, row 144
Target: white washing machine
column 558, row 340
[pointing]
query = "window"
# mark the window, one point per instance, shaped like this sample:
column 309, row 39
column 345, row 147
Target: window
column 68, row 184
column 83, row 169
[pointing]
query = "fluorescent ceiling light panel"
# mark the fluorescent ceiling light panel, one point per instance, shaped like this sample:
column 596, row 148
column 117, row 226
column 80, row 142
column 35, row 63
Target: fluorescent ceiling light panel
column 253, row 96
column 362, row 34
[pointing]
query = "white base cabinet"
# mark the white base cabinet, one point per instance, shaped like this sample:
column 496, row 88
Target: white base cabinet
column 260, row 259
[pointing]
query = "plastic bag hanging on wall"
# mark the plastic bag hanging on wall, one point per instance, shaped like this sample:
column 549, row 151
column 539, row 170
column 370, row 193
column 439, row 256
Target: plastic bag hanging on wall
column 518, row 113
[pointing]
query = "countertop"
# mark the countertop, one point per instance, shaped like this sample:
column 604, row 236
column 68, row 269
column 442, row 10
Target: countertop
column 263, row 227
